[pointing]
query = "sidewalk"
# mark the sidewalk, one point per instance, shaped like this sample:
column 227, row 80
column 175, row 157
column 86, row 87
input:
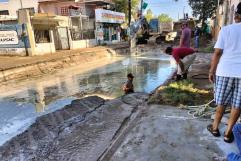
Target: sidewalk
column 9, row 62
column 167, row 133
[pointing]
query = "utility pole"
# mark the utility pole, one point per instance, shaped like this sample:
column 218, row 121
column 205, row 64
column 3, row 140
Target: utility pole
column 129, row 8
column 141, row 8
column 184, row 12
column 21, row 3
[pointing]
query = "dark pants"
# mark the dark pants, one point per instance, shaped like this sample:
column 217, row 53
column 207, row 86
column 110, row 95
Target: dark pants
column 129, row 91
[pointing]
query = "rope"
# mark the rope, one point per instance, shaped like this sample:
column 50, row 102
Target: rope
column 200, row 111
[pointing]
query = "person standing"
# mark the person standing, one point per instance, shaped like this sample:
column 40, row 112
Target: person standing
column 196, row 37
column 185, row 39
column 225, row 72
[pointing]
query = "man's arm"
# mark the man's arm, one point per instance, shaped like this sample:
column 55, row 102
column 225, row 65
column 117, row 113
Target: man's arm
column 214, row 63
column 180, row 63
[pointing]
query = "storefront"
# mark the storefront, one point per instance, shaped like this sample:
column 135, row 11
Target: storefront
column 108, row 25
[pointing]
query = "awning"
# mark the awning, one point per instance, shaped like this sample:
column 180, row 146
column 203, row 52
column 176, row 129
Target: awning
column 47, row 20
column 74, row 7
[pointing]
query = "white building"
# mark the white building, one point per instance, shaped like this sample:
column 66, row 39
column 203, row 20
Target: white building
column 232, row 7
column 12, row 6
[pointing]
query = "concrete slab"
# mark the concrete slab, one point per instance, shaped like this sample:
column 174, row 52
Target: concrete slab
column 167, row 134
column 81, row 131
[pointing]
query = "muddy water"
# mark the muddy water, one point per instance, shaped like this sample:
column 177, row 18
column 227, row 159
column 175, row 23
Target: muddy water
column 21, row 103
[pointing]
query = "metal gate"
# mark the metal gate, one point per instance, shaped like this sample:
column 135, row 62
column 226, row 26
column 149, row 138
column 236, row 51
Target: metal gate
column 61, row 37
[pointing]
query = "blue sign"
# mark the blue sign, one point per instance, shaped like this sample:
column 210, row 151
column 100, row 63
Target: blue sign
column 14, row 36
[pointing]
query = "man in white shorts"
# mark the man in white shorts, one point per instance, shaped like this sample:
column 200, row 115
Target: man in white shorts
column 225, row 73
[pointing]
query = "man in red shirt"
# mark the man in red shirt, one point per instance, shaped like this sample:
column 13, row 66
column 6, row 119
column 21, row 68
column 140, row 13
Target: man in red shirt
column 179, row 54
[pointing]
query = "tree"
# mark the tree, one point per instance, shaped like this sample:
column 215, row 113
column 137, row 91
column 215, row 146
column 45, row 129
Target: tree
column 203, row 9
column 149, row 15
column 122, row 6
column 164, row 18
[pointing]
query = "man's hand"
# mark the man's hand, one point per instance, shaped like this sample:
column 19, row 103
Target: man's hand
column 214, row 63
column 211, row 77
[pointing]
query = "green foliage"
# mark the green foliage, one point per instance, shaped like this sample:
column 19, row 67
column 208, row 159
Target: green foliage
column 149, row 15
column 203, row 9
column 164, row 18
column 122, row 6
column 180, row 93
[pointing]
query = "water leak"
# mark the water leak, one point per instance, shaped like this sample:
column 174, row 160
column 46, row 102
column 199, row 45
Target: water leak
column 21, row 103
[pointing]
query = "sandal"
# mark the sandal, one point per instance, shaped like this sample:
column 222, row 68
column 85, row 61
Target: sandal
column 228, row 138
column 215, row 133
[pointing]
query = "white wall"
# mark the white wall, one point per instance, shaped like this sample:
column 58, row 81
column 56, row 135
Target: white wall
column 45, row 48
column 14, row 5
column 83, row 44
column 54, row 7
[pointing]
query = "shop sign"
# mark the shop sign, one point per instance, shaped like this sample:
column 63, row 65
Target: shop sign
column 107, row 16
column 8, row 38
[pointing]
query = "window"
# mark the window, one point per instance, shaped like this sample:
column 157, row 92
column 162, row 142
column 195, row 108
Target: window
column 64, row 11
column 42, row 36
column 4, row 12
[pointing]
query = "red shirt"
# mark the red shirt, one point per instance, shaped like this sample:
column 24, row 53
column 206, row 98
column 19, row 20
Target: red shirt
column 180, row 53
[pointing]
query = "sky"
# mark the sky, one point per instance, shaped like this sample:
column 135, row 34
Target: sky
column 169, row 7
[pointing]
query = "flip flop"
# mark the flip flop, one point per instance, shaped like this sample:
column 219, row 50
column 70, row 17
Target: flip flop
column 215, row 133
column 228, row 138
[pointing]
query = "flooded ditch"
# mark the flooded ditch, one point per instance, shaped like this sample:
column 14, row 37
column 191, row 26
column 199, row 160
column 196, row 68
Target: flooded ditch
column 21, row 103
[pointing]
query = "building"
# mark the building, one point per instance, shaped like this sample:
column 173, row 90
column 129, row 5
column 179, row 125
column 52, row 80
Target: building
column 12, row 6
column 232, row 6
column 85, row 17
column 224, row 16
column 9, row 10
column 43, row 26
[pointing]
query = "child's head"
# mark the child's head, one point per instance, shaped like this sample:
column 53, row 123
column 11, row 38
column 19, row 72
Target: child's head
column 130, row 76
column 169, row 50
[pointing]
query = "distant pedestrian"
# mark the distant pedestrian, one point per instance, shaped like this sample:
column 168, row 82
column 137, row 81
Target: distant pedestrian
column 182, row 65
column 225, row 72
column 128, row 87
column 185, row 39
column 197, row 33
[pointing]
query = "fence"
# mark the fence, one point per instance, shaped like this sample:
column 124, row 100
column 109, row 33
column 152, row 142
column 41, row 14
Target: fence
column 42, row 36
column 82, row 35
